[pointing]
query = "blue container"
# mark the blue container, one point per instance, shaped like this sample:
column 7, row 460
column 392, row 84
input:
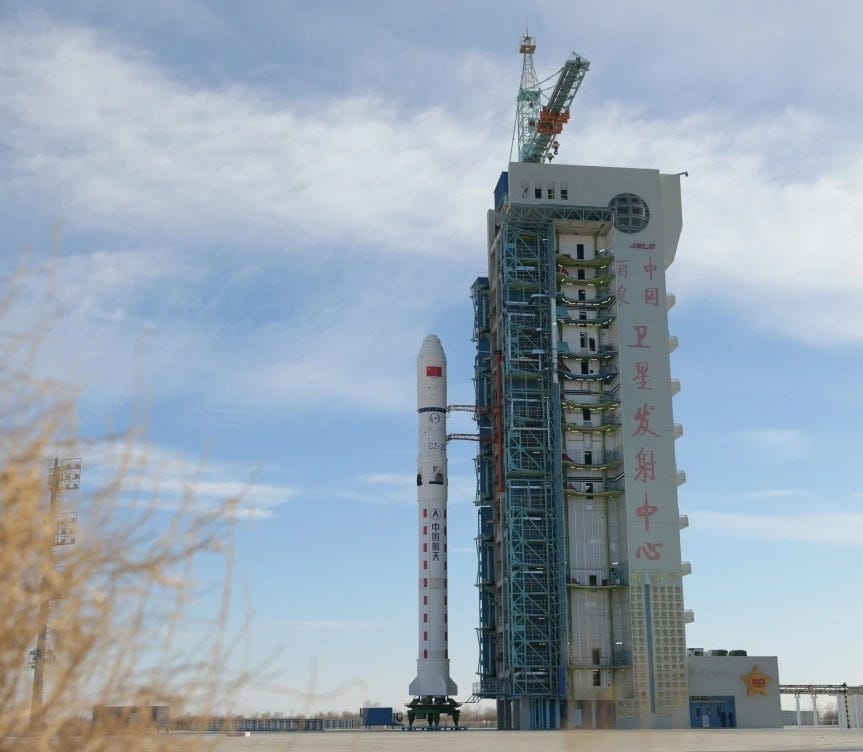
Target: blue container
column 377, row 716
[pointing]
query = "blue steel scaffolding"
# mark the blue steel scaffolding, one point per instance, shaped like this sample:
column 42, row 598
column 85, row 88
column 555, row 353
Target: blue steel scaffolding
column 522, row 581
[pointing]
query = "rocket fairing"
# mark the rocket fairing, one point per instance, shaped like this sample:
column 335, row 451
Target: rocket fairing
column 433, row 679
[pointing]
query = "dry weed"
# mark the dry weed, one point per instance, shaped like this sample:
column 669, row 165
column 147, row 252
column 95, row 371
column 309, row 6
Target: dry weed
column 117, row 603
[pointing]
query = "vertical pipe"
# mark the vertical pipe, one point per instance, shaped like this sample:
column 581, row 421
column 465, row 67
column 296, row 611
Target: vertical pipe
column 44, row 604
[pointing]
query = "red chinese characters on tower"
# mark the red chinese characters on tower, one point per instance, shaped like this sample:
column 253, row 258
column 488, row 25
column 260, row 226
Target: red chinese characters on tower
column 645, row 466
column 642, row 418
column 621, row 296
column 641, row 375
column 649, row 551
column 646, row 511
column 650, row 268
column 640, row 336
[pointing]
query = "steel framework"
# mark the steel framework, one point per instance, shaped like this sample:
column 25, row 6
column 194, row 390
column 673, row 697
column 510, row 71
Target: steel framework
column 520, row 485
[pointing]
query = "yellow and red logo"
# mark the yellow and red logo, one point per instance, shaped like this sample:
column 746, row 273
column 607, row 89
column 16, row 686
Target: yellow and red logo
column 756, row 681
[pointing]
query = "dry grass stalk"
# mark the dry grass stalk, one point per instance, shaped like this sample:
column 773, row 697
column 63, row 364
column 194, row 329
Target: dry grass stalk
column 117, row 601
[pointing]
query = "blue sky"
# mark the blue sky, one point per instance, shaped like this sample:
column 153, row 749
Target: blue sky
column 249, row 215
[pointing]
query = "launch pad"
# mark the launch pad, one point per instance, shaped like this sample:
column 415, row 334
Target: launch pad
column 432, row 708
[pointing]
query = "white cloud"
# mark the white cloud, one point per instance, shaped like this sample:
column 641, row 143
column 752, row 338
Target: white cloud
column 778, row 444
column 773, row 493
column 368, row 184
column 139, row 150
column 161, row 478
column 832, row 528
column 397, row 488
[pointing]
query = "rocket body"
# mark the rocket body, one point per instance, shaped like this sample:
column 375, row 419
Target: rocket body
column 433, row 679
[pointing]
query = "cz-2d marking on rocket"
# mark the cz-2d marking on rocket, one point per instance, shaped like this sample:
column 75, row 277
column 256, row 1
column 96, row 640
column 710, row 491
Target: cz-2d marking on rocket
column 433, row 679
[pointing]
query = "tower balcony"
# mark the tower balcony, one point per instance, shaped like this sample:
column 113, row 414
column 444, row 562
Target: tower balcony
column 580, row 400
column 592, row 488
column 685, row 567
column 604, row 299
column 673, row 342
column 681, row 477
column 678, row 430
column 591, row 579
column 606, row 423
column 600, row 318
column 683, row 522
column 599, row 280
column 603, row 376
column 601, row 260
column 604, row 352
column 675, row 386
column 605, row 462
column 688, row 616
column 670, row 300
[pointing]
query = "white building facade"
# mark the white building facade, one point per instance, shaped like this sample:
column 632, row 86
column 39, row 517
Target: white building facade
column 729, row 691
column 581, row 602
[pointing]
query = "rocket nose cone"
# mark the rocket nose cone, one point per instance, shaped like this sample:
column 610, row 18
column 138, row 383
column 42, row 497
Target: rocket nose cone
column 431, row 347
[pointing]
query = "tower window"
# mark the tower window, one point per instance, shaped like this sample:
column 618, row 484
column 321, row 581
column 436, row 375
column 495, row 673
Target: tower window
column 579, row 250
column 596, row 679
column 579, row 274
column 550, row 192
column 537, row 191
column 564, row 191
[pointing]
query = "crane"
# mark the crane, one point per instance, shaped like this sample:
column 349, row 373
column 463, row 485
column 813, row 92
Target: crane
column 539, row 123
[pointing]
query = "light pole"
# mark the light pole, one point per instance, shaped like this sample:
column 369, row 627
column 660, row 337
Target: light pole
column 65, row 475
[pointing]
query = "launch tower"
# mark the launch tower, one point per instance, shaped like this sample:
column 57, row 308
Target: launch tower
column 581, row 617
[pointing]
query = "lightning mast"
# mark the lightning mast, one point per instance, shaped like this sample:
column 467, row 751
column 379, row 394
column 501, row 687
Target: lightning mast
column 538, row 124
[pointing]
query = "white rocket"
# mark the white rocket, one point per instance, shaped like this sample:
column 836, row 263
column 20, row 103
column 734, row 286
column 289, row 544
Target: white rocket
column 433, row 678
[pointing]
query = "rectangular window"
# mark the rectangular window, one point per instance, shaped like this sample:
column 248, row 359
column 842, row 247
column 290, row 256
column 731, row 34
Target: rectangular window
column 579, row 250
column 585, row 414
column 550, row 192
column 596, row 680
column 594, row 656
column 537, row 191
column 588, row 456
column 584, row 367
column 579, row 274
column 564, row 191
